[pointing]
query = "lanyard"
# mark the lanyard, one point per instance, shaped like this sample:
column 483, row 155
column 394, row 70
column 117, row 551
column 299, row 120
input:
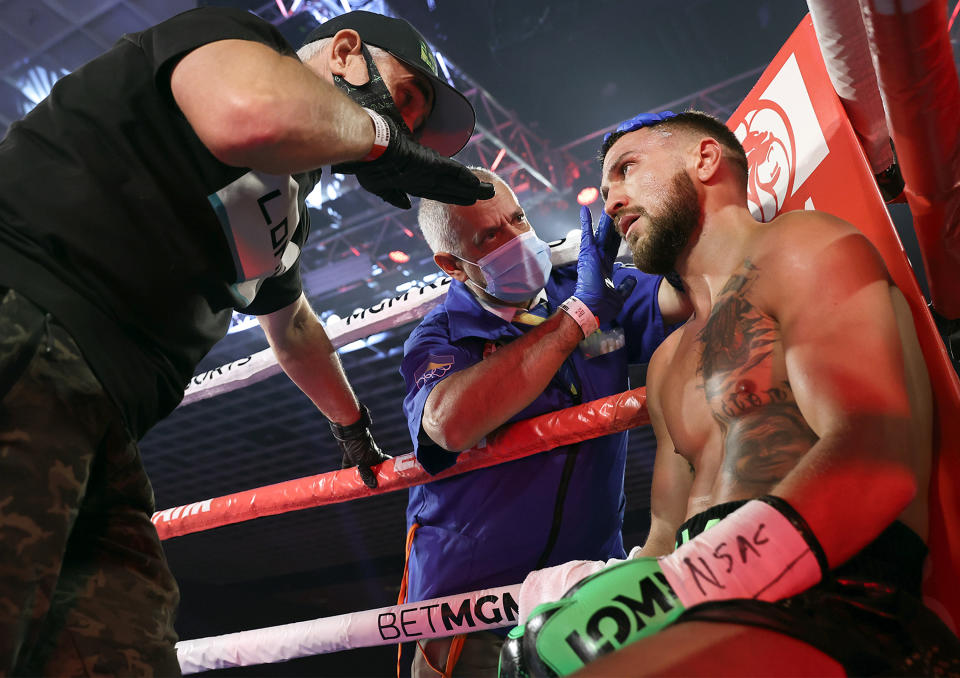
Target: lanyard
column 567, row 374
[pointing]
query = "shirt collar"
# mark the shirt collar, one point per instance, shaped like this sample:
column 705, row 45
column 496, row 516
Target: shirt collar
column 508, row 313
column 468, row 318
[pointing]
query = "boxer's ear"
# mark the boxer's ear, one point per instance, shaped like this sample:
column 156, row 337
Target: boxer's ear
column 708, row 159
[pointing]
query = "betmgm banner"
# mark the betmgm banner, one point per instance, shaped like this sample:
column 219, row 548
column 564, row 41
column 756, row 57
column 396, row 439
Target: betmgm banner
column 803, row 154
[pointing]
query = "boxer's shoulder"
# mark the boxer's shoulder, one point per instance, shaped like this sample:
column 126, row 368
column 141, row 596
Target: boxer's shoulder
column 804, row 250
column 799, row 233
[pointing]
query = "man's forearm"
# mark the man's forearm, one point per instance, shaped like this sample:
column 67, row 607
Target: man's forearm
column 867, row 482
column 311, row 362
column 253, row 107
column 319, row 374
column 675, row 307
column 468, row 405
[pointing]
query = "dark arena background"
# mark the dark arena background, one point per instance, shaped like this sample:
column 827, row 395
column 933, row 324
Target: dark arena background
column 547, row 79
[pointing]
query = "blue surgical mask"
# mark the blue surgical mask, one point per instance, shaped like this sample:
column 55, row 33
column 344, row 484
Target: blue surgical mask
column 517, row 270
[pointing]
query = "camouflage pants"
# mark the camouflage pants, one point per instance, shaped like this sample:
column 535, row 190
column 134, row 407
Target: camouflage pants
column 84, row 584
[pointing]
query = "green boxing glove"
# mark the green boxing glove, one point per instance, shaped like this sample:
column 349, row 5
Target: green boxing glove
column 763, row 550
column 637, row 601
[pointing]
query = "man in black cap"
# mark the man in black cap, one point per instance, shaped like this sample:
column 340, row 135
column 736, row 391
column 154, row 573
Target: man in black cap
column 158, row 188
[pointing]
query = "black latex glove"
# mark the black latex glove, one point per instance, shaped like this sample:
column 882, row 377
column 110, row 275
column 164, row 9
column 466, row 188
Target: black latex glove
column 359, row 448
column 406, row 167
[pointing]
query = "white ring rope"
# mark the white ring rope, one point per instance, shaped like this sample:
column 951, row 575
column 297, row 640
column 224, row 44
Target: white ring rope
column 424, row 619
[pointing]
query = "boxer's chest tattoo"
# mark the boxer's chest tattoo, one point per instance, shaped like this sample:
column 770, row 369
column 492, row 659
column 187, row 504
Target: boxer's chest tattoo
column 743, row 377
column 737, row 342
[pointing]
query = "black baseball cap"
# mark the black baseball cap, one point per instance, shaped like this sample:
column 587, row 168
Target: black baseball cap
column 449, row 125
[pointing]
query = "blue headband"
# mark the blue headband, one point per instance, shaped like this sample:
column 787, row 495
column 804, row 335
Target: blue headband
column 638, row 121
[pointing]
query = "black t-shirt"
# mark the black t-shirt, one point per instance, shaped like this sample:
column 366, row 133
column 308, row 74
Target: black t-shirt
column 117, row 220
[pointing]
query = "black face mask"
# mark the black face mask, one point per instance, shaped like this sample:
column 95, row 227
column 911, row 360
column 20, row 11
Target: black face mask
column 374, row 94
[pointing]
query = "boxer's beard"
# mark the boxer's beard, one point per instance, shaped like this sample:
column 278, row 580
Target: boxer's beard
column 656, row 246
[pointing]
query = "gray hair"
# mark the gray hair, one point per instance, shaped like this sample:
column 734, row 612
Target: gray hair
column 438, row 220
column 311, row 49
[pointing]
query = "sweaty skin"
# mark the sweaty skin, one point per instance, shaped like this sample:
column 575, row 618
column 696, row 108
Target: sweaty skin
column 725, row 394
column 741, row 369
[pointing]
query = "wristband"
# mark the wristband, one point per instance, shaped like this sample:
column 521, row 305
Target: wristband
column 582, row 314
column 755, row 552
column 381, row 136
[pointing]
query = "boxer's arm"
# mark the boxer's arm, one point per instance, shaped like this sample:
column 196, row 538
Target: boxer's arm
column 253, row 107
column 468, row 405
column 672, row 474
column 305, row 353
column 845, row 363
column 675, row 306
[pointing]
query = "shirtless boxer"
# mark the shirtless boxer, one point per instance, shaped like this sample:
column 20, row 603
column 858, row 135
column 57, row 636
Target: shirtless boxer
column 793, row 415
